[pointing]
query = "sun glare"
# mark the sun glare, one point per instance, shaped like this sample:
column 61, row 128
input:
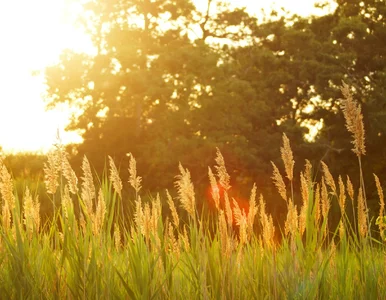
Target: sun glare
column 33, row 35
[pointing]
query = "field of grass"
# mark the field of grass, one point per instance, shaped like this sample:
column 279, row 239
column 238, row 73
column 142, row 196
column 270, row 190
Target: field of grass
column 168, row 249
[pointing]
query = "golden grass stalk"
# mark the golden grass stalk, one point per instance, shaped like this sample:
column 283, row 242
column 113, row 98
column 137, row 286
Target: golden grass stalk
column 31, row 208
column 138, row 215
column 67, row 204
column 224, row 178
column 279, row 182
column 325, row 204
column 223, row 230
column 156, row 214
column 70, row 176
column 173, row 210
column 183, row 239
column 100, row 214
column 243, row 235
column 354, row 120
column 381, row 197
column 287, row 157
column 134, row 180
column 117, row 237
column 362, row 215
column 228, row 209
column 114, row 177
column 252, row 210
column 237, row 213
column 6, row 215
column 88, row 188
column 6, row 187
column 172, row 241
column 291, row 224
column 267, row 224
column 350, row 188
column 342, row 196
column 146, row 222
column 317, row 204
column 308, row 173
column 305, row 202
column 185, row 191
column 51, row 172
column 328, row 178
column 215, row 191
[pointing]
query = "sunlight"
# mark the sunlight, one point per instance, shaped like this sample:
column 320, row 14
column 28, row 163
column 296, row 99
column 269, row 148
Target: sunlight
column 34, row 33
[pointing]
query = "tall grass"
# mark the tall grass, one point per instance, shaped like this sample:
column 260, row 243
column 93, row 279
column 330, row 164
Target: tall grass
column 94, row 249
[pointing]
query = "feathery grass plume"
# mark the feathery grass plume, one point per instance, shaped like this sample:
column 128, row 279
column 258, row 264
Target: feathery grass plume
column 317, row 204
column 172, row 241
column 267, row 224
column 51, row 172
column 241, row 221
column 380, row 195
column 291, row 224
column 6, row 187
column 31, row 209
column 237, row 213
column 173, row 210
column 354, row 120
column 117, row 237
column 362, row 215
column 252, row 210
column 279, row 182
column 305, row 198
column 114, row 177
column 243, row 235
column 70, row 175
column 223, row 231
column 350, row 188
column 287, row 157
column 100, row 213
column 88, row 188
column 228, row 209
column 138, row 215
column 147, row 222
column 67, row 205
column 381, row 219
column 308, row 172
column 342, row 195
column 156, row 214
column 134, row 180
column 325, row 204
column 325, row 200
column 215, row 191
column 6, row 215
column 328, row 178
column 185, row 191
column 222, row 173
column 184, row 239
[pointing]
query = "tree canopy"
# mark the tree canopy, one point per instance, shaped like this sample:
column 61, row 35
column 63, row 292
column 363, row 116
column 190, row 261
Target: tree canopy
column 170, row 83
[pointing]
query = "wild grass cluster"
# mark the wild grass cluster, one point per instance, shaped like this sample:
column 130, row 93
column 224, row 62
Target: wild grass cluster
column 163, row 247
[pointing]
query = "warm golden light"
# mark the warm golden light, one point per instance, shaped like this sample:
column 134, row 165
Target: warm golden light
column 33, row 33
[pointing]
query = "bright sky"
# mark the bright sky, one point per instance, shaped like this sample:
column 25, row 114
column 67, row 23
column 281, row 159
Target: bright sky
column 32, row 35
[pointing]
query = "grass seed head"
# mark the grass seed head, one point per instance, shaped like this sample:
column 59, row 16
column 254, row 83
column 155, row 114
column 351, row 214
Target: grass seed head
column 279, row 182
column 134, row 180
column 222, row 173
column 185, row 191
column 354, row 120
column 114, row 178
column 287, row 157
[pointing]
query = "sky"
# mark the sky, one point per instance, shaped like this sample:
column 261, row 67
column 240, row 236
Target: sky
column 32, row 36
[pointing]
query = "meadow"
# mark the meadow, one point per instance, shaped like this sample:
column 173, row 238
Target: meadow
column 163, row 247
